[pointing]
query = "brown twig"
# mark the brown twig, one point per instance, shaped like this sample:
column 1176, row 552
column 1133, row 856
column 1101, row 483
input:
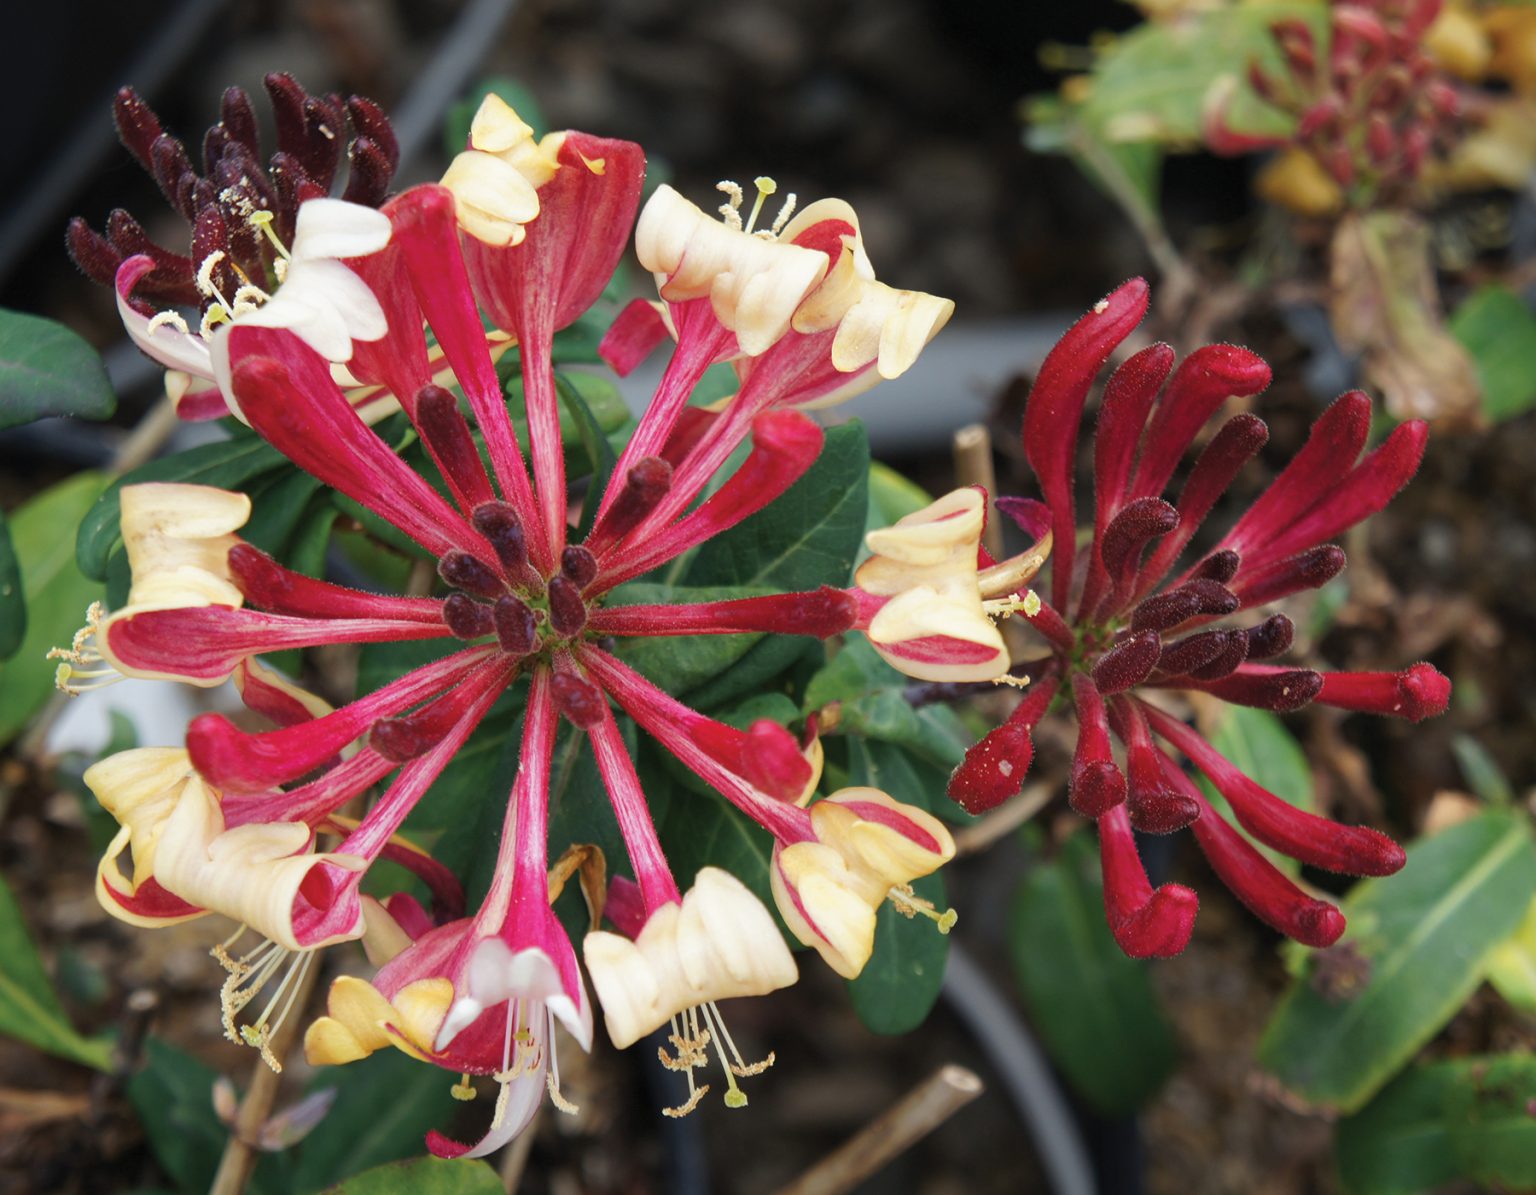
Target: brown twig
column 240, row 1155
column 1003, row 820
column 925, row 1108
column 973, row 466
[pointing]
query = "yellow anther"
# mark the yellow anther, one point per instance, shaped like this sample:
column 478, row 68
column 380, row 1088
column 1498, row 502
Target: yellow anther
column 262, row 220
column 463, row 1090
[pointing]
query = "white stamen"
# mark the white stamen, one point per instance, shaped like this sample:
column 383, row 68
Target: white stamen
column 730, row 211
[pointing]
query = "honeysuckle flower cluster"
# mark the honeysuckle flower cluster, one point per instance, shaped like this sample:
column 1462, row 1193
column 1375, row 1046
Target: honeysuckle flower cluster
column 253, row 824
column 1120, row 635
column 1371, row 109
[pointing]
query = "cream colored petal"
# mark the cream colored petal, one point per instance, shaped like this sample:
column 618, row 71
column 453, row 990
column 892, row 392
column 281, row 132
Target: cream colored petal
column 935, row 534
column 721, row 942
column 330, row 228
column 492, row 198
column 178, row 539
column 754, row 283
column 836, row 900
column 251, row 874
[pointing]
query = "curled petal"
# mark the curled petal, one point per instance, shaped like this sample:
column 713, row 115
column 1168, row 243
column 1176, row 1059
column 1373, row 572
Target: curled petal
column 719, row 942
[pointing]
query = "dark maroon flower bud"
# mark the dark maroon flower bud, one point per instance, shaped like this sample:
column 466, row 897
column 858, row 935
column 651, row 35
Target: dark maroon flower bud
column 1128, row 663
column 447, row 437
column 371, row 123
column 1263, row 86
column 1165, row 610
column 1183, row 656
column 1270, row 638
column 369, row 171
column 1130, row 531
column 498, row 522
column 1220, row 567
column 238, row 118
column 288, row 110
column 567, row 611
column 1280, row 690
column 91, row 253
column 471, row 574
column 1231, row 653
column 647, row 484
column 467, row 618
column 517, row 629
column 579, row 700
column 1271, row 582
column 579, row 565
column 172, row 170
column 137, row 126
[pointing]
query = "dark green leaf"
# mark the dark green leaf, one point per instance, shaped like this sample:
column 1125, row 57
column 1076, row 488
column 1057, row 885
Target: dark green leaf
column 173, row 1097
column 1425, row 936
column 1400, row 1143
column 900, row 984
column 56, row 594
column 229, row 464
column 809, row 536
column 29, row 1009
column 704, row 831
column 1467, row 1118
column 871, row 697
column 45, row 369
column 1094, row 1008
column 13, row 601
column 894, row 770
column 1493, row 1125
column 1499, row 332
column 424, row 1176
column 385, row 1105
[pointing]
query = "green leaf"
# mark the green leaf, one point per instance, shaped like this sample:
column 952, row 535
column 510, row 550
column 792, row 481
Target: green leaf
column 1096, row 1012
column 1467, row 1118
column 702, row 830
column 424, row 1176
column 29, row 1009
column 892, row 496
column 1499, row 332
column 1492, row 1125
column 1482, row 773
column 1425, row 935
column 871, row 700
column 809, row 536
column 385, row 1105
column 1512, row 965
column 13, row 601
column 1399, row 1143
column 56, row 594
column 173, row 1097
column 1260, row 746
column 229, row 464
column 901, row 982
column 1153, row 83
column 45, row 369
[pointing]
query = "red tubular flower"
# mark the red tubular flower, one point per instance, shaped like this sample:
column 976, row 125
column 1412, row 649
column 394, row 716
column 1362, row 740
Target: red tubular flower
column 1118, row 628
